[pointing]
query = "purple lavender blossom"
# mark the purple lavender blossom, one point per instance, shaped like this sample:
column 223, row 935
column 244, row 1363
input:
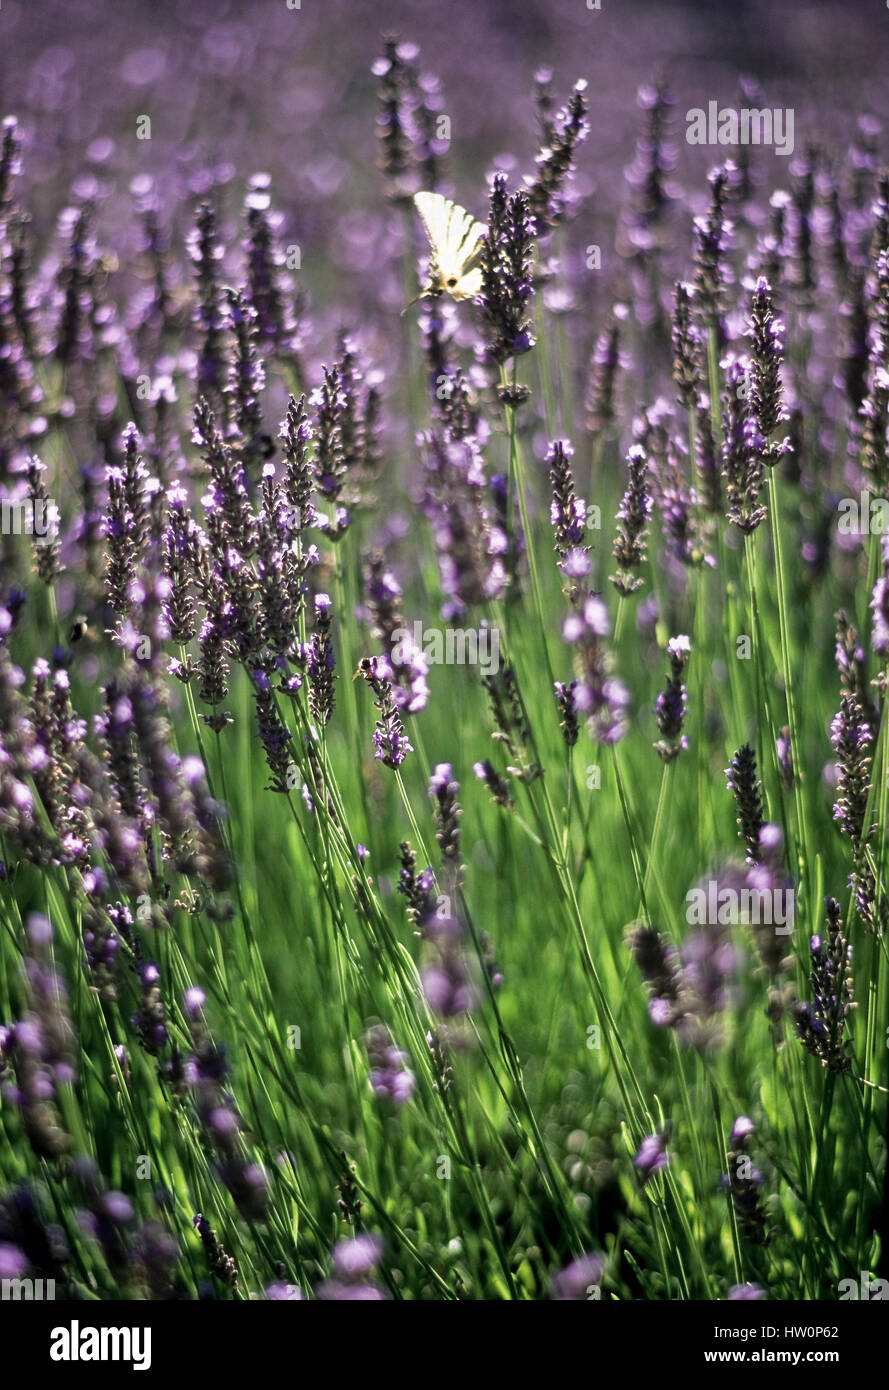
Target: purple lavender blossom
column 743, row 1182
column 498, row 786
column 686, row 348
column 605, row 363
column 354, row 1262
column 206, row 1072
column 150, row 1020
column 38, row 1051
column 652, row 1157
column 742, row 452
column 391, row 744
column 766, row 355
column 852, row 739
column 125, row 522
column 13, row 1262
column 402, row 662
column 599, row 695
column 672, row 703
column 331, row 463
column 272, row 294
column 447, row 984
column 741, row 1130
column 711, row 243
column 220, row 1262
column 181, row 544
column 879, row 604
column 244, row 383
column 707, row 462
column 709, row 963
column 630, row 543
column 390, row 1077
column 274, row 736
column 822, row 1024
column 565, row 694
column 206, row 252
column 506, row 272
column 419, row 889
column 548, row 190
column 470, row 545
column 321, row 662
column 396, row 130
column 567, row 511
column 357, row 1257
column 443, row 787
column 575, row 1282
column 784, row 749
column 747, row 790
column 338, row 1291
column 660, row 968
column 46, row 545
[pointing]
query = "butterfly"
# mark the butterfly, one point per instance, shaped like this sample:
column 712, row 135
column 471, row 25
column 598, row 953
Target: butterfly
column 455, row 247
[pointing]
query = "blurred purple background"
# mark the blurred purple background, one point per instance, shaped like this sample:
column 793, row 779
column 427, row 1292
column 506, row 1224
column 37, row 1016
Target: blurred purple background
column 292, row 91
column 238, row 86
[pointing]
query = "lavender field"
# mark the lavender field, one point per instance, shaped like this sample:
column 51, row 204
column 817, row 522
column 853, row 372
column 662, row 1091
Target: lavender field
column 444, row 750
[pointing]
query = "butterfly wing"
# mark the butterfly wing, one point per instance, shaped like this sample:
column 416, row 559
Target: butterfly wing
column 434, row 213
column 454, row 240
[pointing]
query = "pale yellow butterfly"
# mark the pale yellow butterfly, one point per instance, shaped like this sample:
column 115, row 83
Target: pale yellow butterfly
column 455, row 247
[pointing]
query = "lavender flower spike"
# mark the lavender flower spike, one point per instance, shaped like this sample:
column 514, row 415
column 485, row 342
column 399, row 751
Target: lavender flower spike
column 852, row 739
column 711, row 239
column 747, row 791
column 599, row 695
column 672, row 703
column 822, row 1024
column 403, row 662
column 630, row 543
column 742, row 452
column 125, row 523
column 391, row 744
column 390, row 1077
column 564, row 694
column 206, row 252
column 766, row 398
column 686, row 349
column 567, row 516
column 652, row 1156
column 549, row 199
column 321, row 662
column 879, row 604
column 607, row 358
column 506, row 272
